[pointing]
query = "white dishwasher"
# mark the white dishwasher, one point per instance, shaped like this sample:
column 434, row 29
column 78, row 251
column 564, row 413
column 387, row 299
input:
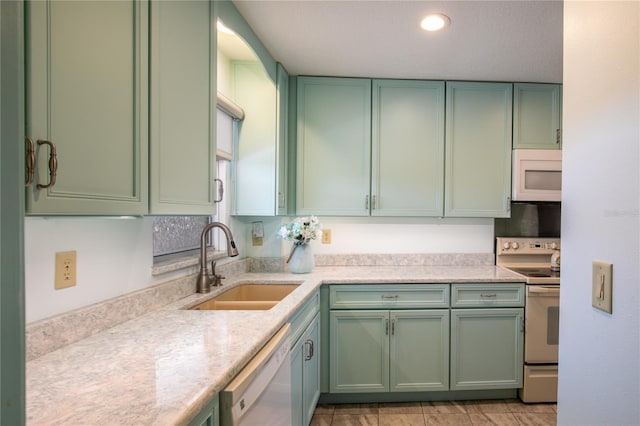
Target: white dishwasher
column 260, row 394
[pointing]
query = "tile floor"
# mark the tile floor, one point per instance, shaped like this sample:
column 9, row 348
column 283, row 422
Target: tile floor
column 486, row 412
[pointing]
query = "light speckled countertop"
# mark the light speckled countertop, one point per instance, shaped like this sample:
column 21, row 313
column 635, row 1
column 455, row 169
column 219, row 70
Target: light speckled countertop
column 163, row 367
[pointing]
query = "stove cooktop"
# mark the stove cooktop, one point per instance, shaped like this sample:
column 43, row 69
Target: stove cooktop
column 537, row 272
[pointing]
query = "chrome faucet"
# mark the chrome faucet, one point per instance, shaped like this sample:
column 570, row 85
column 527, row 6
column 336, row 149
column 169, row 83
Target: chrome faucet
column 204, row 280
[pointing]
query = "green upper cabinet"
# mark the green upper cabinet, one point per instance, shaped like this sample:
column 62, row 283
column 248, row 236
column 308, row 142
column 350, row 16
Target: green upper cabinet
column 370, row 147
column 478, row 149
column 282, row 136
column 261, row 172
column 256, row 151
column 87, row 80
column 333, row 146
column 407, row 148
column 536, row 116
column 183, row 107
column 252, row 79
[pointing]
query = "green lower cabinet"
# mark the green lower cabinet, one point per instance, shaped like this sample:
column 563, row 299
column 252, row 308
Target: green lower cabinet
column 486, row 348
column 305, row 374
column 389, row 351
column 209, row 416
column 419, row 358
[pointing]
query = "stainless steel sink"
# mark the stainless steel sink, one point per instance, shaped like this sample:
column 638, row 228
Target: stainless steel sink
column 248, row 297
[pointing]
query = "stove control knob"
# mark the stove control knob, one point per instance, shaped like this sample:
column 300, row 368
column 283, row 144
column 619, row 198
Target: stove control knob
column 553, row 246
column 515, row 245
column 506, row 246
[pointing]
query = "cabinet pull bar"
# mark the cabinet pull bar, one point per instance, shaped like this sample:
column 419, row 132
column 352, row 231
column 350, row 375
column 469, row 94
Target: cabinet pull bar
column 281, row 200
column 393, row 327
column 30, row 161
column 220, row 190
column 488, row 295
column 53, row 164
column 373, row 202
column 366, row 202
column 309, row 344
column 389, row 296
column 386, row 327
column 558, row 136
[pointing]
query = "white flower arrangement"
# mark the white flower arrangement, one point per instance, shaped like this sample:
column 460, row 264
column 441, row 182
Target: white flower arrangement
column 301, row 231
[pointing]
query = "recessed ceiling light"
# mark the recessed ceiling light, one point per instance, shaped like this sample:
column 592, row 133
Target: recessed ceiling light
column 435, row 22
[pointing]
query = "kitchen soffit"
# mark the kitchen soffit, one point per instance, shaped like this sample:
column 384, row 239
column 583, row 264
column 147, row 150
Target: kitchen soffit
column 487, row 40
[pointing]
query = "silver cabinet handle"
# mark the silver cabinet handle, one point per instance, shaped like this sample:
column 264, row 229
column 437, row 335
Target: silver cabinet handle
column 390, row 296
column 281, row 200
column 373, row 202
column 386, row 327
column 220, row 190
column 366, row 202
column 309, row 344
column 488, row 295
column 393, row 327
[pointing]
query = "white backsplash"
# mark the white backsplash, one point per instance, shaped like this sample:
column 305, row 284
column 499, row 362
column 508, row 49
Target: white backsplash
column 114, row 256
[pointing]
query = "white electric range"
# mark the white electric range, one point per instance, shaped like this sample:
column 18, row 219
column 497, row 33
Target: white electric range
column 531, row 257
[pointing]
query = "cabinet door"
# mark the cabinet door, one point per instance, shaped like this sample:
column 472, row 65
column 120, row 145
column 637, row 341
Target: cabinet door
column 419, row 358
column 255, row 163
column 407, row 148
column 486, row 348
column 183, row 107
column 87, row 93
column 478, row 149
column 536, row 116
column 333, row 146
column 311, row 370
column 282, row 135
column 359, row 360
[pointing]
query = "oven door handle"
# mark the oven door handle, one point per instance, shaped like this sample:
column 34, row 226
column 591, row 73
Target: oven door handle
column 544, row 290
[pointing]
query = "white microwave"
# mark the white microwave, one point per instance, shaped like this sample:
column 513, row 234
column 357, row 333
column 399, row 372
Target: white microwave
column 537, row 175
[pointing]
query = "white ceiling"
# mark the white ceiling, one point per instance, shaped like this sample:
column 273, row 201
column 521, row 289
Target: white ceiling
column 516, row 40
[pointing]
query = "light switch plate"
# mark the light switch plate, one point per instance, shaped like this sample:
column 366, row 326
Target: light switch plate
column 602, row 286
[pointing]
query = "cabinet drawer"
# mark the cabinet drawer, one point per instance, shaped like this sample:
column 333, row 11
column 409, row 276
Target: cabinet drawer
column 487, row 295
column 389, row 296
column 303, row 316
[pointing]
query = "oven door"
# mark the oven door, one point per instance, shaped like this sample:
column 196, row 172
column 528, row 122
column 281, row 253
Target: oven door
column 542, row 317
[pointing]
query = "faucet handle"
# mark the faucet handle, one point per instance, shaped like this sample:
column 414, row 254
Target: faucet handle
column 217, row 279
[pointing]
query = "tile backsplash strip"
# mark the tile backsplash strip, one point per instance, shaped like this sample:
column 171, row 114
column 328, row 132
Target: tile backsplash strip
column 408, row 259
column 47, row 335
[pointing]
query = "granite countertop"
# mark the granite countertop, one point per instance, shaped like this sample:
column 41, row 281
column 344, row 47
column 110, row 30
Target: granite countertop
column 164, row 367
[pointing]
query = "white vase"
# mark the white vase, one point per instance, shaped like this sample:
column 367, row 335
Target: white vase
column 301, row 260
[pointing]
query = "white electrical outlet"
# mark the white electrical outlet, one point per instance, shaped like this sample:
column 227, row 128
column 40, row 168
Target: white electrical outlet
column 602, row 286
